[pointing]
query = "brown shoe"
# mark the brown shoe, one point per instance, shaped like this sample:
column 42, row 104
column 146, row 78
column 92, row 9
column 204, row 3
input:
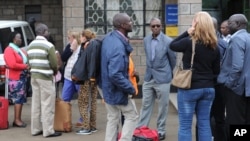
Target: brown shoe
column 78, row 124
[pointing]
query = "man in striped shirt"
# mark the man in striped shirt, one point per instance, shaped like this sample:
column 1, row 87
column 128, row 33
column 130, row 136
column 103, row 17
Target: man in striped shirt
column 43, row 65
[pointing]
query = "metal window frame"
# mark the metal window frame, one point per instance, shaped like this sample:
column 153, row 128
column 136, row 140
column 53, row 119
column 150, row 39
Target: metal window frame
column 144, row 10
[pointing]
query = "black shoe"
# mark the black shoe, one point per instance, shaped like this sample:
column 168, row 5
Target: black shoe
column 23, row 125
column 93, row 130
column 161, row 137
column 38, row 133
column 56, row 134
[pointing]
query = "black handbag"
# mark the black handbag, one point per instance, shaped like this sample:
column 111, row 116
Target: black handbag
column 77, row 72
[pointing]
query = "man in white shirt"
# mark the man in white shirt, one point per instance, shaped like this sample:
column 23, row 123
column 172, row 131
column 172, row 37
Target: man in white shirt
column 224, row 31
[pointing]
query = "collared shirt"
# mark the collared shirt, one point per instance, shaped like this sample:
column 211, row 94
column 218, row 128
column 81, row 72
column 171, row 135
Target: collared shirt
column 226, row 38
column 154, row 43
column 122, row 35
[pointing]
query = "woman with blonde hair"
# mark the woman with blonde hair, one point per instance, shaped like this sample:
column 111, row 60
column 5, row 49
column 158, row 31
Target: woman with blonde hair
column 69, row 87
column 88, row 91
column 206, row 66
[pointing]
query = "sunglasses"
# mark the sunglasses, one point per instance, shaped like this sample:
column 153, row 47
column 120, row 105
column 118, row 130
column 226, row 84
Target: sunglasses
column 157, row 25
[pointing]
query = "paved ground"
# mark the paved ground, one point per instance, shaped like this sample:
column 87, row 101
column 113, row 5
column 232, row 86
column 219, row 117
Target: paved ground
column 23, row 134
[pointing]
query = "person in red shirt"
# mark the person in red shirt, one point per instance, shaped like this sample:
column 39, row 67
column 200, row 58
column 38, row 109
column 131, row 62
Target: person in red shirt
column 17, row 71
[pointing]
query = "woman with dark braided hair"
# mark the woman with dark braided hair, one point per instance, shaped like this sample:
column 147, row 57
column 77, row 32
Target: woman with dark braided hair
column 17, row 69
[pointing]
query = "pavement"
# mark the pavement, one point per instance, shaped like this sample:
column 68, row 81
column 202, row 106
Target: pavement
column 23, row 134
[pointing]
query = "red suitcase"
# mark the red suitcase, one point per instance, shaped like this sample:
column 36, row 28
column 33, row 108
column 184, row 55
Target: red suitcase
column 4, row 105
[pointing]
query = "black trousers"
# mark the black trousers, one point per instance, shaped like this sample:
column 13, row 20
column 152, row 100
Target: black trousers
column 237, row 110
column 217, row 115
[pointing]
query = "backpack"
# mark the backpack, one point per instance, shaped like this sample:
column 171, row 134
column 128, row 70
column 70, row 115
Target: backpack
column 143, row 133
column 88, row 62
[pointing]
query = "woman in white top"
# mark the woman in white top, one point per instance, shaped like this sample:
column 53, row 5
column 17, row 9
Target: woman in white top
column 69, row 87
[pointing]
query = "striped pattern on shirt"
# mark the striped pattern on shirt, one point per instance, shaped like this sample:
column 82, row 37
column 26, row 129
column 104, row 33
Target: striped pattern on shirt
column 42, row 58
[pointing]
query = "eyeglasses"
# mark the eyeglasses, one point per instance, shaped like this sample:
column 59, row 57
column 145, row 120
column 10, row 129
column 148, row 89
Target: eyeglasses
column 157, row 25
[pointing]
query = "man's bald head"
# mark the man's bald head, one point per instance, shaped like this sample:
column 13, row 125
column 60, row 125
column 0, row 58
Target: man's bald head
column 122, row 22
column 237, row 22
column 41, row 28
column 155, row 19
column 119, row 19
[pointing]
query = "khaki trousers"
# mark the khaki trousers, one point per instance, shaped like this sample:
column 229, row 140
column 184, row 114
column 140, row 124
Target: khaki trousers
column 114, row 115
column 43, row 106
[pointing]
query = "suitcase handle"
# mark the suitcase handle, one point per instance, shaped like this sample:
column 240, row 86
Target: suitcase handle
column 6, row 82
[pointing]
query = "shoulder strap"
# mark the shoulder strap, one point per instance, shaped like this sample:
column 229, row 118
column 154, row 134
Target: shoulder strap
column 193, row 52
column 192, row 57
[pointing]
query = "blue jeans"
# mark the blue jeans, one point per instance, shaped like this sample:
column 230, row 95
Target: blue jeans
column 198, row 101
column 69, row 89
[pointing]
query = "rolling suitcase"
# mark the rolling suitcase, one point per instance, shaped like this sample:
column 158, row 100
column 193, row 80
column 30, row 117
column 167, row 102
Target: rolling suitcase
column 4, row 105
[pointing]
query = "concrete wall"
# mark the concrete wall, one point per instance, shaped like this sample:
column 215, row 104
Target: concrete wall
column 73, row 16
column 186, row 11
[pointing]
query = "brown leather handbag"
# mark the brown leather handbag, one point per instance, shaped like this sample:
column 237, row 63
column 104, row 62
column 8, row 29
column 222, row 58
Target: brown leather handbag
column 63, row 116
column 182, row 78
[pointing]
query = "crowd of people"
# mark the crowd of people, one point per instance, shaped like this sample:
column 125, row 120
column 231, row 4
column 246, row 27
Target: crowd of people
column 219, row 93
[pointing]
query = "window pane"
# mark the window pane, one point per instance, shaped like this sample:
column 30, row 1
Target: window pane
column 4, row 41
column 29, row 34
column 153, row 10
column 94, row 12
column 94, row 18
column 99, row 14
column 113, row 5
column 148, row 30
column 153, row 4
column 131, row 5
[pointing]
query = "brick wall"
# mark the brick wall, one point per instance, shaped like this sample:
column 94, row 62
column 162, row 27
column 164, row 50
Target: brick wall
column 139, row 58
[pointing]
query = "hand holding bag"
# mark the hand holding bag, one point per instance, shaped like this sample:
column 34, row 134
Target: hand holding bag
column 182, row 78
